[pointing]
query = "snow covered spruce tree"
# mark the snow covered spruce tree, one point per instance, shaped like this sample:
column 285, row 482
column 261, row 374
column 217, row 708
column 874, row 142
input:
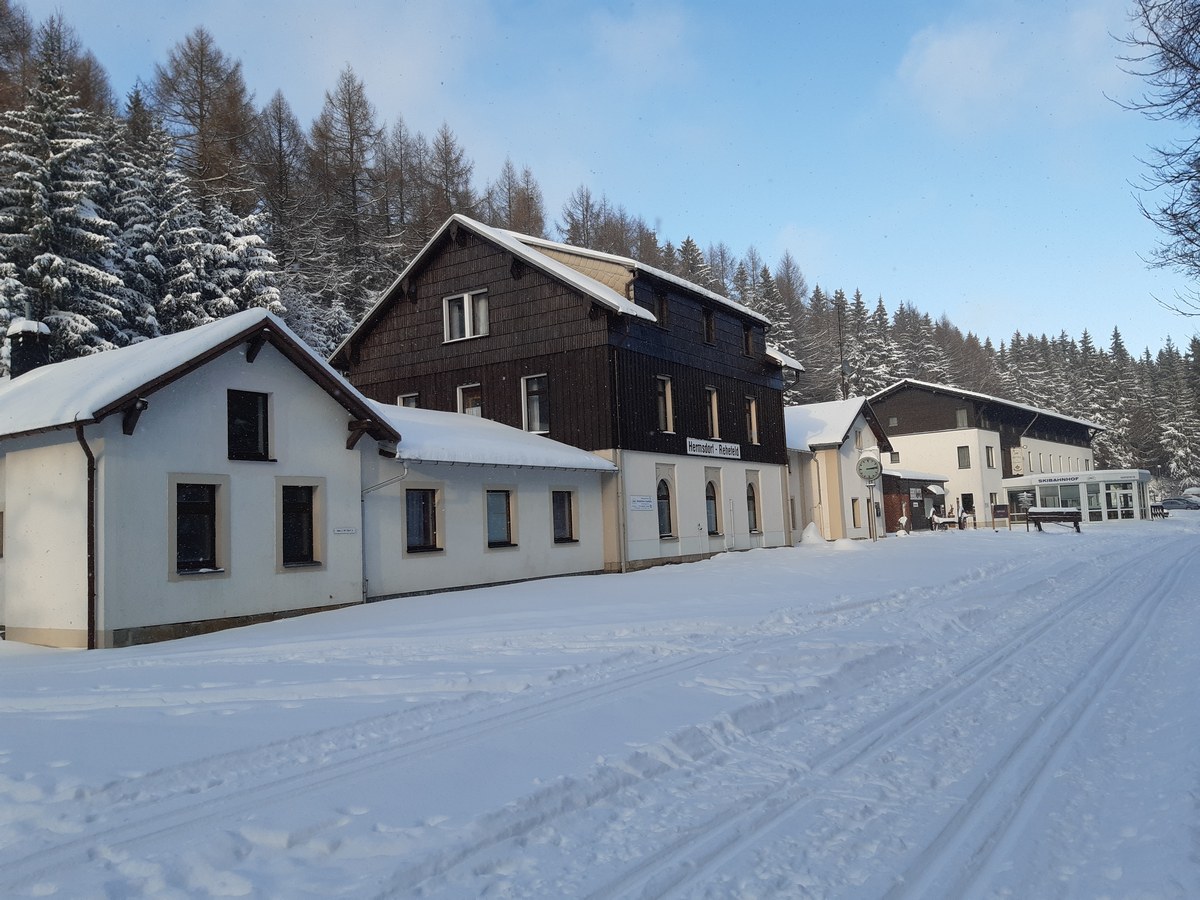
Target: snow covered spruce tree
column 57, row 248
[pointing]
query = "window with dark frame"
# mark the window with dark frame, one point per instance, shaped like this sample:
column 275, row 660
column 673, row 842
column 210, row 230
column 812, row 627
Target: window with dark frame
column 964, row 457
column 711, row 507
column 710, row 327
column 562, row 504
column 420, row 514
column 895, row 458
column 499, row 519
column 660, row 308
column 713, row 410
column 248, row 432
column 748, row 340
column 195, row 527
column 752, row 508
column 665, row 527
column 296, row 524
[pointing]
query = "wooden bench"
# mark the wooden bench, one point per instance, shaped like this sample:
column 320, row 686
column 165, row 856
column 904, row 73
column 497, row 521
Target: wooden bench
column 1038, row 517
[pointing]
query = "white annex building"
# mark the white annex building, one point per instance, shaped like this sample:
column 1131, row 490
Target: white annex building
column 226, row 475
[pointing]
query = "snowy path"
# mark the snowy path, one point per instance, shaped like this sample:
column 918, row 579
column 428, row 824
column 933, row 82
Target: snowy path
column 1017, row 720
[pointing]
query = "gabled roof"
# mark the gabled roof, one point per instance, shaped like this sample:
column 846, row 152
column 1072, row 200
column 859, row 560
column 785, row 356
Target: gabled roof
column 85, row 390
column 529, row 250
column 459, row 439
column 972, row 395
column 820, row 426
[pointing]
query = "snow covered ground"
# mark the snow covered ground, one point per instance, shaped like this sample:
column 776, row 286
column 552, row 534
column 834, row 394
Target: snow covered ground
column 963, row 714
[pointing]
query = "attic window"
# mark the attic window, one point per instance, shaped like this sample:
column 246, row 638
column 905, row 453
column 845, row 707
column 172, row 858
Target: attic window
column 465, row 316
column 249, row 436
column 660, row 308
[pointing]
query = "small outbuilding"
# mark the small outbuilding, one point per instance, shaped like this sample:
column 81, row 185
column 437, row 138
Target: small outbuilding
column 826, row 442
column 911, row 499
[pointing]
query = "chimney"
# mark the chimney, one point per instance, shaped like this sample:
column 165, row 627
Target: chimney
column 29, row 346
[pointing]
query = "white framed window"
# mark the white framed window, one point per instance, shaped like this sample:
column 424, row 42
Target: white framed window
column 712, row 499
column 713, row 411
column 991, row 456
column 665, row 404
column 751, row 420
column 665, row 498
column 465, row 316
column 470, row 399
column 412, row 401
column 536, row 392
column 855, row 513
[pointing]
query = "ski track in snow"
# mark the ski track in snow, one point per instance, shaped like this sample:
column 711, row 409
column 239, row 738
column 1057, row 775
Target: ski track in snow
column 902, row 743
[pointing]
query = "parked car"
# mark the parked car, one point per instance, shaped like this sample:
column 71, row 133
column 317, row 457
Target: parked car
column 1180, row 503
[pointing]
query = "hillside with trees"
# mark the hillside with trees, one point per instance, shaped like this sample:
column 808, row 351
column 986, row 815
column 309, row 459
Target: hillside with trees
column 186, row 201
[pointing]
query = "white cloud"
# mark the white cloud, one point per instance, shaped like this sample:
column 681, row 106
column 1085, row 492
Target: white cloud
column 1032, row 63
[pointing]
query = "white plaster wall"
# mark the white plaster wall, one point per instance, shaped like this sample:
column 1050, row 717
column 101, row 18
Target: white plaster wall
column 465, row 558
column 1053, row 458
column 184, row 430
column 937, row 452
column 45, row 540
column 853, row 485
column 640, row 478
column 1, row 538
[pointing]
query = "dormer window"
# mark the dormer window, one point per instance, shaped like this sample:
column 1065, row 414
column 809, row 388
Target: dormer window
column 465, row 316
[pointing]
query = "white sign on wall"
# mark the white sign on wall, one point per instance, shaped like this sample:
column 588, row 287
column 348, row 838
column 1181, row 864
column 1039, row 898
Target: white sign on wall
column 702, row 447
column 641, row 503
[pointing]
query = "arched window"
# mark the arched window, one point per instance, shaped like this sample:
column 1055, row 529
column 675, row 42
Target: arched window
column 710, row 504
column 664, row 509
column 751, row 508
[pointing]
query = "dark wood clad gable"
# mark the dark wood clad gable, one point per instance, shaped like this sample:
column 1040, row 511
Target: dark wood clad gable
column 602, row 366
column 537, row 325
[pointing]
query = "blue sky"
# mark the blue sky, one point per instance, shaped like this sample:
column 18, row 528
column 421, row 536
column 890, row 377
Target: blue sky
column 960, row 155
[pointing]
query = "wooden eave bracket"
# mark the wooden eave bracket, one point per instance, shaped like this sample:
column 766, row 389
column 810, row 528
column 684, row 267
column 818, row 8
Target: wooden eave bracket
column 254, row 345
column 357, row 428
column 132, row 413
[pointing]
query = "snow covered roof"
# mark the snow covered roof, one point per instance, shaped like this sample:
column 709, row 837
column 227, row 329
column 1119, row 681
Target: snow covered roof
column 960, row 392
column 27, row 326
column 913, row 475
column 783, row 359
column 816, row 425
column 634, row 267
column 87, row 389
column 451, row 437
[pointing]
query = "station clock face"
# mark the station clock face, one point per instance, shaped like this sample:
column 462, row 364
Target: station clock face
column 869, row 468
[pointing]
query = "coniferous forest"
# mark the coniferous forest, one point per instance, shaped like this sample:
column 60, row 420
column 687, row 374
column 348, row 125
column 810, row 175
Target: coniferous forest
column 123, row 219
